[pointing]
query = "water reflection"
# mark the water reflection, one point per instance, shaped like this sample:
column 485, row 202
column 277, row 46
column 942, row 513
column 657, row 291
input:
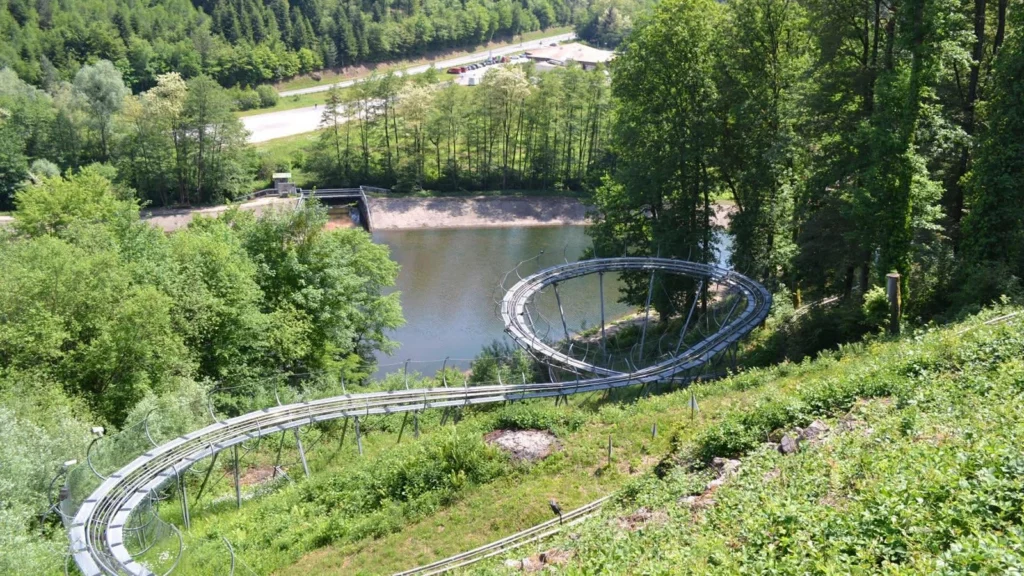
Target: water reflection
column 450, row 283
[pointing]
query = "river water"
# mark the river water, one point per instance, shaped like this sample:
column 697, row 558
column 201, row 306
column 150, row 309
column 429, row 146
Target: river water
column 450, row 284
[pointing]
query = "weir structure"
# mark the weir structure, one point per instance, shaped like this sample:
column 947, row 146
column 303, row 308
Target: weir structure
column 118, row 521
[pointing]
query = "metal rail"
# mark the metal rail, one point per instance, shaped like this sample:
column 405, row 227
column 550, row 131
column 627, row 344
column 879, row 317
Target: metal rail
column 532, row 534
column 97, row 532
column 515, row 315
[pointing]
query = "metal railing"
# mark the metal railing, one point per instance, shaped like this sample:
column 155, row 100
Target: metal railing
column 509, row 543
column 104, row 524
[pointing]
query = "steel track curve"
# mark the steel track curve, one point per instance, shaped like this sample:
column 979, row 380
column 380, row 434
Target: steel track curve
column 98, row 528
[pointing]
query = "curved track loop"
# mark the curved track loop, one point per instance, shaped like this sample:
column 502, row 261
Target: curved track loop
column 99, row 527
column 519, row 327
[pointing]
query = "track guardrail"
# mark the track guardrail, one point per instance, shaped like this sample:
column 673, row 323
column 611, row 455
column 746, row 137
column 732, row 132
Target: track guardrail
column 98, row 529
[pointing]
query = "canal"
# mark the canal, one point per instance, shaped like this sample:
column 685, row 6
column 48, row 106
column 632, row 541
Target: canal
column 450, row 285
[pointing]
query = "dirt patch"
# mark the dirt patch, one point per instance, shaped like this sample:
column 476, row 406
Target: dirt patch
column 528, row 445
column 552, row 557
column 642, row 517
column 398, row 213
column 256, row 475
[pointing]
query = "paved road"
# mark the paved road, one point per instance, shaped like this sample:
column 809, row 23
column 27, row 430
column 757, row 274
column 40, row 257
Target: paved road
column 445, row 64
column 272, row 125
column 263, row 127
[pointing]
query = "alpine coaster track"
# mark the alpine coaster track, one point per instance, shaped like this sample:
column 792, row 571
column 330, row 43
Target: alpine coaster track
column 97, row 531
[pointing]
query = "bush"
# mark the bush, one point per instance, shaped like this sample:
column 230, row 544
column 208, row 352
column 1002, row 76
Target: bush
column 876, row 308
column 538, row 416
column 43, row 168
column 246, row 98
column 268, row 96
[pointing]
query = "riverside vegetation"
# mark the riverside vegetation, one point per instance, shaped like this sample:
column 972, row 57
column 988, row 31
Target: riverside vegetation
column 104, row 318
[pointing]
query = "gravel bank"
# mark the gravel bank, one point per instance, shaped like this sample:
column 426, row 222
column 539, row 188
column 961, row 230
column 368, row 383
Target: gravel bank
column 170, row 219
column 475, row 212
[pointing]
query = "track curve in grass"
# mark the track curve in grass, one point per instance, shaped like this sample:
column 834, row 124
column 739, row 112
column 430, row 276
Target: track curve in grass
column 97, row 531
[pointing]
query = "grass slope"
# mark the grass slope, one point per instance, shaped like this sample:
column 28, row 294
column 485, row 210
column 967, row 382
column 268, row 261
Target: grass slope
column 919, row 472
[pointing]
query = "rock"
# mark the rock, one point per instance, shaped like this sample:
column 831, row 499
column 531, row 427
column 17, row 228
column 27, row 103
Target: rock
column 514, row 563
column 813, row 431
column 714, row 484
column 531, row 565
column 688, row 500
column 574, row 536
column 524, row 445
column 725, row 466
column 789, row 445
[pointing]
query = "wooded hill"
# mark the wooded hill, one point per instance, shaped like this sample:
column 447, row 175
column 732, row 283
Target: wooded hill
column 247, row 42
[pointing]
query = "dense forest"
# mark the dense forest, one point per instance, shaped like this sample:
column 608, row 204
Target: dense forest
column 247, row 42
column 509, row 132
column 854, row 139
column 177, row 143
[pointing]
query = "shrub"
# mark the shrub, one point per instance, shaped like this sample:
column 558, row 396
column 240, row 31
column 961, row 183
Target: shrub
column 43, row 168
column 876, row 308
column 246, row 98
column 268, row 96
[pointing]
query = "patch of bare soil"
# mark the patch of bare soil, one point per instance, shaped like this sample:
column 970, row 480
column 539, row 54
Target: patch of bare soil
column 551, row 557
column 528, row 445
column 642, row 517
column 726, row 469
column 256, row 475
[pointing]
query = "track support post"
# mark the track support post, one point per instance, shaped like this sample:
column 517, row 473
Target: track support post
column 238, row 485
column 302, row 452
column 647, row 315
column 359, row 438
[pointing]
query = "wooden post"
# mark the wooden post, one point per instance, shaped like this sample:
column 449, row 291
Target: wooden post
column 609, row 450
column 892, row 292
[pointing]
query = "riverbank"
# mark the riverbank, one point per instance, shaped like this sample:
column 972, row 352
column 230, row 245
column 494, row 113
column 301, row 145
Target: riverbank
column 394, row 213
column 171, row 219
column 410, row 213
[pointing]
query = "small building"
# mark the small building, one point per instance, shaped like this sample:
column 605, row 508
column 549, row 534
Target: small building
column 283, row 183
column 586, row 56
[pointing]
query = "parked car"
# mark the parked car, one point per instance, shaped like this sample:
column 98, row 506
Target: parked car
column 453, row 71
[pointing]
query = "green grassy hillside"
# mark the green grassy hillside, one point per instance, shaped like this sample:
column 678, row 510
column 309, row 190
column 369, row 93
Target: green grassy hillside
column 917, row 468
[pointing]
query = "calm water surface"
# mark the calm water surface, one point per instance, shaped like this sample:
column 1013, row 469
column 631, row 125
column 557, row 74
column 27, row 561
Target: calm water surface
column 449, row 281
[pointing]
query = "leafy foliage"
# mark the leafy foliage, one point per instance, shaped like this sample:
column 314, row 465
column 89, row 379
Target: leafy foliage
column 248, row 43
column 517, row 129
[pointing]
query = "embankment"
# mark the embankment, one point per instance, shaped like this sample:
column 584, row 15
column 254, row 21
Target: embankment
column 395, row 213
